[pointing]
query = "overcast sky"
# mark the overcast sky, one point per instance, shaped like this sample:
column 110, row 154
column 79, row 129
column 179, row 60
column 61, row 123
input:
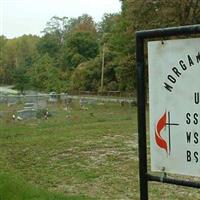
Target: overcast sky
column 18, row 17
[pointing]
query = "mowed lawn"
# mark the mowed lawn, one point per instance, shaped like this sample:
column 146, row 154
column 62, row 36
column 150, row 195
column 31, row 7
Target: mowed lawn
column 84, row 154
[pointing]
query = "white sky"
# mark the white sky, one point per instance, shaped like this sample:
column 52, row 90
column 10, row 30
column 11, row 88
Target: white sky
column 18, row 17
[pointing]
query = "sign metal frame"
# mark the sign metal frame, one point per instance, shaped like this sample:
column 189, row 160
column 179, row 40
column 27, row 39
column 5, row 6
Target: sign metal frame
column 141, row 36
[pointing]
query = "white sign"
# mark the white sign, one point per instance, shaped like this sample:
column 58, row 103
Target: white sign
column 174, row 98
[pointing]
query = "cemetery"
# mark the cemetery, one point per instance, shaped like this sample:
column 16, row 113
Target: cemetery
column 99, row 100
column 83, row 153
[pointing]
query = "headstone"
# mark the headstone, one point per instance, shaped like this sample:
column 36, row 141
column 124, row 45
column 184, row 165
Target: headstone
column 27, row 114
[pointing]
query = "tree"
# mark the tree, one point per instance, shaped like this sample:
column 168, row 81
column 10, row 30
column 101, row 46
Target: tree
column 143, row 14
column 56, row 27
column 49, row 44
column 69, row 53
column 3, row 42
column 84, row 23
column 87, row 76
column 44, row 76
column 79, row 47
column 125, row 74
column 17, row 52
column 21, row 79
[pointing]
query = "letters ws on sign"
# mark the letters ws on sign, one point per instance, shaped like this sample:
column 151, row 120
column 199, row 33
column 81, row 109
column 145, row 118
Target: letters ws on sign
column 174, row 98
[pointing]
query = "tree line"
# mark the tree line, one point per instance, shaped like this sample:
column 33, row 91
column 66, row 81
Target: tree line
column 69, row 55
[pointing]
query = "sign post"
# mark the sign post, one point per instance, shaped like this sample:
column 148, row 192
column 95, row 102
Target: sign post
column 174, row 100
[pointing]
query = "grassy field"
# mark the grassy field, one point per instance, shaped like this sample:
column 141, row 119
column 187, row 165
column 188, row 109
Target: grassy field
column 87, row 154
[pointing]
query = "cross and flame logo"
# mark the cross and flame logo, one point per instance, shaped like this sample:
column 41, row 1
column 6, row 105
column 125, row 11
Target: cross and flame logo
column 160, row 127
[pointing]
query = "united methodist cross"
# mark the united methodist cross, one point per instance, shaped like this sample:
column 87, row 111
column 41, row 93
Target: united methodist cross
column 169, row 124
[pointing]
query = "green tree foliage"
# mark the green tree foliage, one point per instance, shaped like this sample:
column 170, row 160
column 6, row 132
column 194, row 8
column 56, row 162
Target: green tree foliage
column 149, row 14
column 79, row 47
column 69, row 55
column 52, row 41
column 80, row 42
column 86, row 76
column 125, row 71
column 3, row 41
column 84, row 23
column 16, row 53
column 49, row 44
column 119, row 54
column 21, row 79
column 44, row 76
